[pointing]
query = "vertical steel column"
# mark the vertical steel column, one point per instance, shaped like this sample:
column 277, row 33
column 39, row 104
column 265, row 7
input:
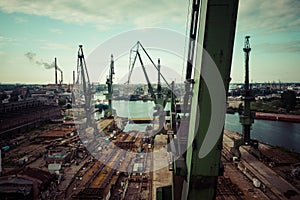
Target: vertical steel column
column 216, row 33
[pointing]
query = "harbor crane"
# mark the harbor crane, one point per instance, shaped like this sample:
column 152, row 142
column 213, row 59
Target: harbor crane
column 83, row 80
column 247, row 117
column 108, row 110
column 159, row 99
column 109, row 82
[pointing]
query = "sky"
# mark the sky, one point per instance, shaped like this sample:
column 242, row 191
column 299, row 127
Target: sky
column 33, row 33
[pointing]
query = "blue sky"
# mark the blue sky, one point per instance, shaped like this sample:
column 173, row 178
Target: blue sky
column 55, row 29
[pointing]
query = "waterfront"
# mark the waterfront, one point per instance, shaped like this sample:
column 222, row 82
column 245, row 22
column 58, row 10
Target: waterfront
column 276, row 133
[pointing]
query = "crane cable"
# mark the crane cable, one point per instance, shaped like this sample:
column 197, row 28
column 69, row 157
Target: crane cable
column 185, row 39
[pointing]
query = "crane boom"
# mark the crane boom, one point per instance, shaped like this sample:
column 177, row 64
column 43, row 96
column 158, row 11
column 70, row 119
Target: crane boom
column 131, row 66
column 147, row 79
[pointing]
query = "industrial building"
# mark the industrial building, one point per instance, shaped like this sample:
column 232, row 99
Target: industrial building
column 20, row 116
column 27, row 183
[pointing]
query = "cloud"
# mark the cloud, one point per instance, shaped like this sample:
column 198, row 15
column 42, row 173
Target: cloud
column 55, row 30
column 269, row 15
column 6, row 41
column 49, row 45
column 104, row 14
column 57, row 46
column 292, row 46
column 20, row 20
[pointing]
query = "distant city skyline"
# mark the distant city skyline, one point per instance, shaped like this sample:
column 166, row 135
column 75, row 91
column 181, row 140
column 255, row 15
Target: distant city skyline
column 33, row 33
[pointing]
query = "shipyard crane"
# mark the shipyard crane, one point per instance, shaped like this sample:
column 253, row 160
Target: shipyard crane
column 212, row 27
column 108, row 110
column 159, row 100
column 109, row 82
column 83, row 81
column 247, row 117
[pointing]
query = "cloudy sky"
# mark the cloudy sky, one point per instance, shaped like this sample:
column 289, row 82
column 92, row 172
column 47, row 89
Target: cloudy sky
column 34, row 32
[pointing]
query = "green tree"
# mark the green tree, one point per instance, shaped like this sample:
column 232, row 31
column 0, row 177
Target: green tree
column 288, row 99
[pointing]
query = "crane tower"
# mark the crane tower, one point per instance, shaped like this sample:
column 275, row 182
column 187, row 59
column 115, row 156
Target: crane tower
column 247, row 117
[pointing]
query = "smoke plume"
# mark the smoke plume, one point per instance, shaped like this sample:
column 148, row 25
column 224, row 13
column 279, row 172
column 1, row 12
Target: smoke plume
column 32, row 58
column 30, row 55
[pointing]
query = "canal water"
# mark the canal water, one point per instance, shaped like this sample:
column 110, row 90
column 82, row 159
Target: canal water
column 134, row 109
column 276, row 133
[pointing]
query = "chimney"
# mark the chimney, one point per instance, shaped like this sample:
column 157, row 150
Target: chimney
column 55, row 65
column 61, row 78
column 73, row 77
column 158, row 80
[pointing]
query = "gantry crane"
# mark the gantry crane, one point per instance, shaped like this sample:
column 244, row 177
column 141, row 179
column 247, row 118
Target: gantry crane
column 159, row 100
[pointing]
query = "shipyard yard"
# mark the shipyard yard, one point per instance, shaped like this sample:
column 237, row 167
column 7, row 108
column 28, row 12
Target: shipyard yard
column 165, row 100
column 124, row 142
column 53, row 163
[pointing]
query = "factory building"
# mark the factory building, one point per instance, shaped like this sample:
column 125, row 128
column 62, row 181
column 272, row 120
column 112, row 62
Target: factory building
column 28, row 183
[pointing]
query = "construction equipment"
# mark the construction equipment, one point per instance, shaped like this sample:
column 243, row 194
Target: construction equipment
column 109, row 82
column 83, row 81
column 159, row 99
column 247, row 117
column 212, row 28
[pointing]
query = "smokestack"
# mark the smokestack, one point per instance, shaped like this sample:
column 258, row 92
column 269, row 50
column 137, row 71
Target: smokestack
column 55, row 65
column 61, row 74
column 158, row 80
column 73, row 77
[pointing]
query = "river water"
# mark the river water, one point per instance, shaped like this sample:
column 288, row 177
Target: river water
column 277, row 133
column 283, row 134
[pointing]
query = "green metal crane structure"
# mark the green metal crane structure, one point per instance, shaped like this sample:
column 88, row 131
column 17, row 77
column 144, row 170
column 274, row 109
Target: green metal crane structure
column 247, row 117
column 83, row 80
column 212, row 29
column 109, row 82
column 159, row 99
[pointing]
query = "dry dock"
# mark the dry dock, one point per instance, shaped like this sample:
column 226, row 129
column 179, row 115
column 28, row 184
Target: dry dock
column 243, row 173
column 132, row 166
